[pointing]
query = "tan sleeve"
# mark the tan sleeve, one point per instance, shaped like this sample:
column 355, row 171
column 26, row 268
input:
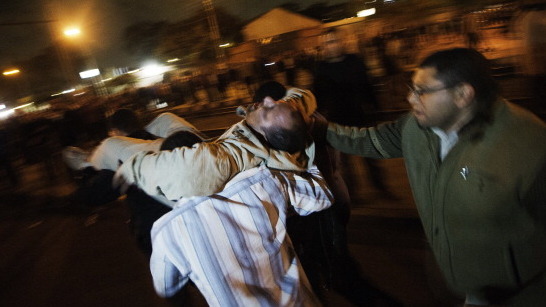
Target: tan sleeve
column 197, row 171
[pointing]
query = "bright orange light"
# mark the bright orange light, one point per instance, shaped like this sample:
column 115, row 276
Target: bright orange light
column 71, row 32
column 11, row 72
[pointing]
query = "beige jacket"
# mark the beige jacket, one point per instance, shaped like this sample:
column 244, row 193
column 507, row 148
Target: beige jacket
column 205, row 168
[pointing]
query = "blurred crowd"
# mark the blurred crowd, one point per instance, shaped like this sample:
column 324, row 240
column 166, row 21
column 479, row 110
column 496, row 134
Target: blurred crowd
column 511, row 36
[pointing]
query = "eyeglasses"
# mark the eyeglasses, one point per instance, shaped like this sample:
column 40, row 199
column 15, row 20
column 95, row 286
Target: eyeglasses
column 422, row 91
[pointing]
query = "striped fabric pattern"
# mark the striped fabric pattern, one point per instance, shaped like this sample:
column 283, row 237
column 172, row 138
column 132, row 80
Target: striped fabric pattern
column 233, row 245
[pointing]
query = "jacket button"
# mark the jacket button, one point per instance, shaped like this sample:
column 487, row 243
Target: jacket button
column 436, row 231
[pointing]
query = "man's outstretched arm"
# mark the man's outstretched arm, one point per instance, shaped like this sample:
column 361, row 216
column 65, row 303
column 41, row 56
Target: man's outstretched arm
column 197, row 171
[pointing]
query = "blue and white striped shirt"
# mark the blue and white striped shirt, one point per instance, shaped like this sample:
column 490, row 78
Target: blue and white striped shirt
column 233, row 245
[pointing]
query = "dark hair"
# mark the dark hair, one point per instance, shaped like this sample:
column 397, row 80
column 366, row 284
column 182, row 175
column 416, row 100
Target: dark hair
column 272, row 89
column 458, row 65
column 180, row 139
column 125, row 120
column 533, row 5
column 289, row 140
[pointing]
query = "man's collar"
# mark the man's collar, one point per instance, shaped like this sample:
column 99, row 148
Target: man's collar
column 476, row 127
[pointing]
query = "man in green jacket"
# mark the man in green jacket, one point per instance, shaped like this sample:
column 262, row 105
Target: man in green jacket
column 477, row 167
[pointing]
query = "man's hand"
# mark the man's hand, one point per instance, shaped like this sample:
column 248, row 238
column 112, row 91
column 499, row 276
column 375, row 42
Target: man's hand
column 319, row 118
column 75, row 157
column 304, row 100
column 318, row 127
column 120, row 183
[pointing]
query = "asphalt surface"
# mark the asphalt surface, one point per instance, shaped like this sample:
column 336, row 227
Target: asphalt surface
column 57, row 252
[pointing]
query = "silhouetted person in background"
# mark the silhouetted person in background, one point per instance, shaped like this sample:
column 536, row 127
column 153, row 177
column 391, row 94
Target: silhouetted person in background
column 532, row 25
column 345, row 96
column 6, row 158
column 125, row 122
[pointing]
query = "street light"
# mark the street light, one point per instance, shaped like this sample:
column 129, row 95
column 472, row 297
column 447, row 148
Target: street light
column 20, row 87
column 91, row 71
column 66, row 61
column 72, row 32
column 365, row 13
column 11, row 72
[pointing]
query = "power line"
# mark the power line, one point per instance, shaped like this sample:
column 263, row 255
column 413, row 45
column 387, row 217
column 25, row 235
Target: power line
column 22, row 23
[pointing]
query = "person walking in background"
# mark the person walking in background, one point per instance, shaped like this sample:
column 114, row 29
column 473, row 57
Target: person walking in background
column 532, row 27
column 342, row 86
column 345, row 95
column 6, row 157
column 471, row 30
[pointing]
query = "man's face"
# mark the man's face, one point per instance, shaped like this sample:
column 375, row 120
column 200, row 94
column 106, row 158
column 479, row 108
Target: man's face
column 432, row 103
column 270, row 113
column 332, row 46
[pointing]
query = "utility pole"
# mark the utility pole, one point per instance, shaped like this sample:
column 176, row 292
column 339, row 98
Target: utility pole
column 51, row 8
column 62, row 57
column 214, row 30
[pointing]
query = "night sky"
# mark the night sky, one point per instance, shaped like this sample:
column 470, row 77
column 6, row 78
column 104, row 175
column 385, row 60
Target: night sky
column 101, row 21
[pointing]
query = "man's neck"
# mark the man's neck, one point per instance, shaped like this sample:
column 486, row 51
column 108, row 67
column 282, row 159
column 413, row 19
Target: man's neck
column 462, row 120
column 256, row 131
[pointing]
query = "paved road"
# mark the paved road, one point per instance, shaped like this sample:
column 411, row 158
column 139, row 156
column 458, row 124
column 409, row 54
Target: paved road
column 54, row 252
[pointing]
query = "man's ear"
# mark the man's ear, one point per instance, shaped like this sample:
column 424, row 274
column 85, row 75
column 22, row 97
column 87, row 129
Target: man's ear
column 464, row 95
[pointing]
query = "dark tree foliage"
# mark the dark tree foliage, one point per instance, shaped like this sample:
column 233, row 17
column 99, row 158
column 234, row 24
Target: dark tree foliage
column 52, row 70
column 291, row 6
column 188, row 39
column 141, row 39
